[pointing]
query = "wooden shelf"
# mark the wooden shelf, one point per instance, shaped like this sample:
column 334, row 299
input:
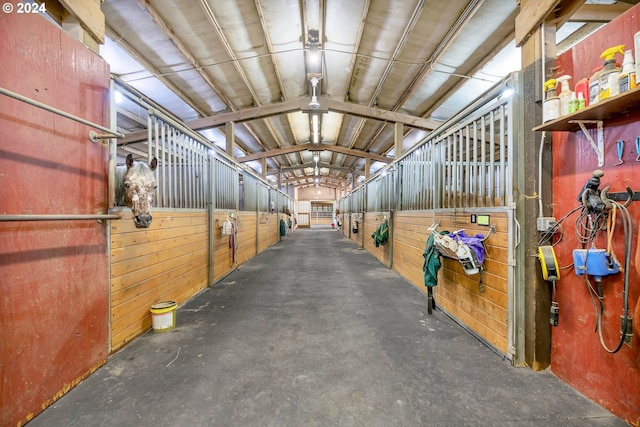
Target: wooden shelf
column 608, row 109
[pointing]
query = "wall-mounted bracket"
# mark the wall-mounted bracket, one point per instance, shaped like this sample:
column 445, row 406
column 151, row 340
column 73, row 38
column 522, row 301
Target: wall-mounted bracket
column 599, row 146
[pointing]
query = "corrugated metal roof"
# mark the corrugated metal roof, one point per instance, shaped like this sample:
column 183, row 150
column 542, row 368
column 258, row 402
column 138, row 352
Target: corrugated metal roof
column 202, row 58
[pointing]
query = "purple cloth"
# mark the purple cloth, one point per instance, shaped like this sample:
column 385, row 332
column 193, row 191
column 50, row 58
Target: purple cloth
column 474, row 242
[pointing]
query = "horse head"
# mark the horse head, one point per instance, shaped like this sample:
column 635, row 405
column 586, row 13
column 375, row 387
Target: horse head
column 139, row 185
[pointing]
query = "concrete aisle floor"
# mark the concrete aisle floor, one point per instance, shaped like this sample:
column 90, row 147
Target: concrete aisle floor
column 316, row 332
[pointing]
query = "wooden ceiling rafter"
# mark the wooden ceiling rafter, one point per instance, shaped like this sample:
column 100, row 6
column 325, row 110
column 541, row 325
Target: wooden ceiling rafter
column 312, row 147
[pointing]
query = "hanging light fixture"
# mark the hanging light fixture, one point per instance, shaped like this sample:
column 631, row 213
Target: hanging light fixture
column 316, row 156
column 314, row 104
column 314, row 55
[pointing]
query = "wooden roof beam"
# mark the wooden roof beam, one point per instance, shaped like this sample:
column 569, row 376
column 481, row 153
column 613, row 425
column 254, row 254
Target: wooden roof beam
column 534, row 12
column 601, row 13
column 312, row 165
column 296, row 148
column 300, row 104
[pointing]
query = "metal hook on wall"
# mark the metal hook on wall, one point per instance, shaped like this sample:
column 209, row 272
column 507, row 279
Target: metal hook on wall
column 626, row 197
column 492, row 229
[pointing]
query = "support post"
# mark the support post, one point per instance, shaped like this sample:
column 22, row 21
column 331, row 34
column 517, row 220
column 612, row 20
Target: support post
column 538, row 54
column 279, row 178
column 230, row 132
column 398, row 134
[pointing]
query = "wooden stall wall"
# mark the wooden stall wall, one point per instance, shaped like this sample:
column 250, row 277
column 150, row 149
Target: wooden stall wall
column 357, row 236
column 247, row 232
column 268, row 230
column 286, row 218
column 320, row 221
column 371, row 223
column 166, row 262
column 577, row 356
column 483, row 312
column 54, row 289
column 343, row 227
column 223, row 254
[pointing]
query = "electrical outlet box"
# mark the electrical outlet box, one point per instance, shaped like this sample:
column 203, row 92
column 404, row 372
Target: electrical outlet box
column 546, row 223
column 628, row 332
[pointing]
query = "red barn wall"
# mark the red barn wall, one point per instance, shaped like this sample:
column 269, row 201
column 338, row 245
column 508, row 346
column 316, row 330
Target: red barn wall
column 613, row 380
column 54, row 294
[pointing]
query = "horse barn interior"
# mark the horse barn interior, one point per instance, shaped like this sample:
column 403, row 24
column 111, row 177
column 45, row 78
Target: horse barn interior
column 319, row 212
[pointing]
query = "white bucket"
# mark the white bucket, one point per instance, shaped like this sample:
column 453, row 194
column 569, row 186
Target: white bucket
column 163, row 316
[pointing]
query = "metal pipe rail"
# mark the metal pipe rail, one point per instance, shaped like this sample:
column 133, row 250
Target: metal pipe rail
column 113, row 134
column 42, row 217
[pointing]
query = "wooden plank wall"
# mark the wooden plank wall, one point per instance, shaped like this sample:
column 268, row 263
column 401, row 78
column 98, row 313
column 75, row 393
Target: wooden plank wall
column 247, row 232
column 224, row 261
column 356, row 237
column 166, row 262
column 320, row 221
column 222, row 257
column 485, row 313
column 372, row 221
column 268, row 230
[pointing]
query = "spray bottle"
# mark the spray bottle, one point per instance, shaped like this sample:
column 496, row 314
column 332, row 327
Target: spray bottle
column 609, row 75
column 627, row 78
column 551, row 104
column 565, row 94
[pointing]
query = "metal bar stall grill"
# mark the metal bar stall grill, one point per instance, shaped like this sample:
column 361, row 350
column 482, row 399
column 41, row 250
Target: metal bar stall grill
column 431, row 173
column 372, row 189
column 263, row 198
column 227, row 184
column 182, row 166
column 182, row 174
column 110, row 133
column 249, row 193
column 465, row 167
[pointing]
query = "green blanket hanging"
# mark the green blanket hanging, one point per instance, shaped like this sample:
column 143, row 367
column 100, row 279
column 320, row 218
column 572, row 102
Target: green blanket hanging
column 381, row 235
column 432, row 262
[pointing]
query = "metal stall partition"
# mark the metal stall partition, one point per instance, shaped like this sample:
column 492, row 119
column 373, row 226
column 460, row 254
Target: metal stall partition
column 182, row 167
column 169, row 261
column 248, row 206
column 380, row 200
column 230, row 226
column 461, row 177
column 264, row 223
column 358, row 203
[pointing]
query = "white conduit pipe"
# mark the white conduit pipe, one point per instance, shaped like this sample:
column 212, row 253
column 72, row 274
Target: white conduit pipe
column 59, row 112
